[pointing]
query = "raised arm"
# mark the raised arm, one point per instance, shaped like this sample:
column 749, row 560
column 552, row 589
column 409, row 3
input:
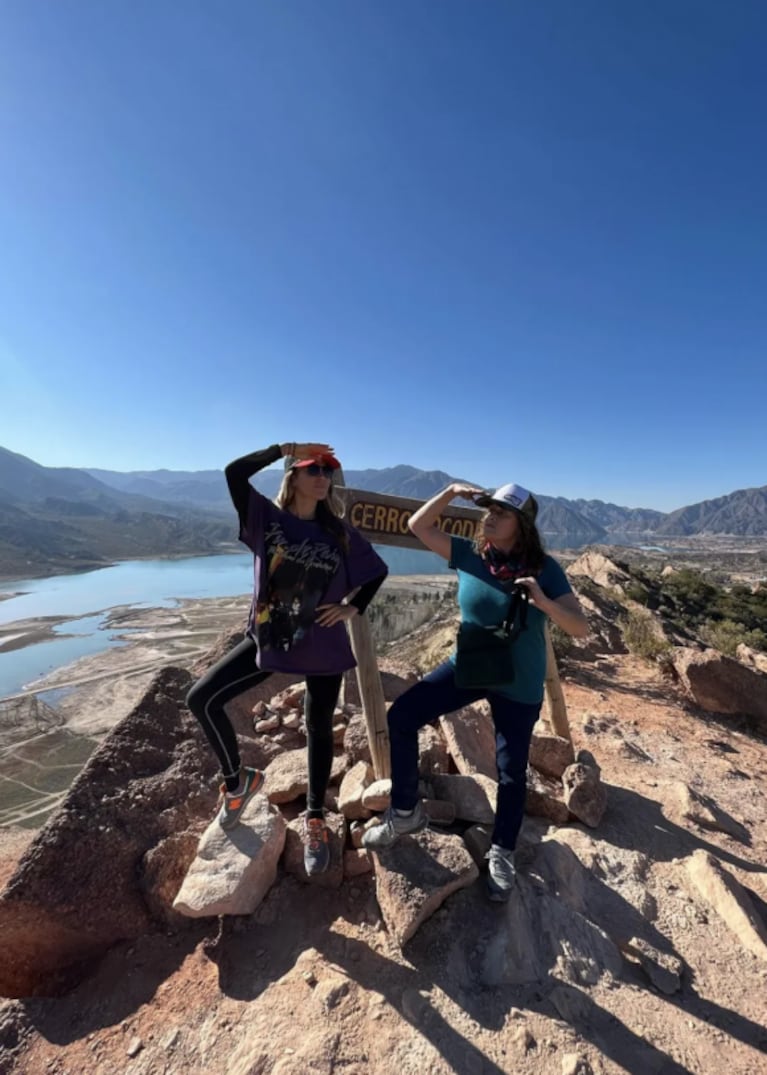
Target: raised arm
column 239, row 472
column 423, row 523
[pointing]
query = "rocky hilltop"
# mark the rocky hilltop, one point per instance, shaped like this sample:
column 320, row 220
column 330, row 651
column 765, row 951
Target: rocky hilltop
column 144, row 940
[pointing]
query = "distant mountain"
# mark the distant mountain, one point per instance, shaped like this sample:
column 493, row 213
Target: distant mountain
column 615, row 519
column 55, row 519
column 742, row 512
column 61, row 518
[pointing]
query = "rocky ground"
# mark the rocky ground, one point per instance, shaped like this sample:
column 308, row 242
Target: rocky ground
column 635, row 945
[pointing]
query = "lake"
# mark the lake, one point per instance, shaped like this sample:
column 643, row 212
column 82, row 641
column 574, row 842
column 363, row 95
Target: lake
column 84, row 600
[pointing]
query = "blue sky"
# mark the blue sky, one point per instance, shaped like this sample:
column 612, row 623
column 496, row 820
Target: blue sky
column 513, row 241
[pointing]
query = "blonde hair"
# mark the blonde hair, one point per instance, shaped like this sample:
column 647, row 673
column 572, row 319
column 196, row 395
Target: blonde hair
column 330, row 511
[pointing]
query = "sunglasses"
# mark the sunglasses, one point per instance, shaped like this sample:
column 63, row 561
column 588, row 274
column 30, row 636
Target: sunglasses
column 314, row 470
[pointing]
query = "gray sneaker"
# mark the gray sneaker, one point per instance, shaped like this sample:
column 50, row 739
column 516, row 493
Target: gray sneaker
column 316, row 846
column 392, row 826
column 501, row 873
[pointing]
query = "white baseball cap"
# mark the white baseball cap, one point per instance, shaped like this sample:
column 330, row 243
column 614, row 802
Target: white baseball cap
column 512, row 497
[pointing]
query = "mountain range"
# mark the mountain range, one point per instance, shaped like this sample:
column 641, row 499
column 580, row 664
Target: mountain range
column 55, row 519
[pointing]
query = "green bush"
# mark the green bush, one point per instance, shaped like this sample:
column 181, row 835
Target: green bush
column 726, row 636
column 637, row 592
column 642, row 636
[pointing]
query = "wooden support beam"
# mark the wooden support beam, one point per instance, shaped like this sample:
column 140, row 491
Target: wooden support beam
column 371, row 694
column 556, row 709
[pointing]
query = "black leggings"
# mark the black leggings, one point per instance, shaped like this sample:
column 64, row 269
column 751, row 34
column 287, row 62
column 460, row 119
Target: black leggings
column 235, row 673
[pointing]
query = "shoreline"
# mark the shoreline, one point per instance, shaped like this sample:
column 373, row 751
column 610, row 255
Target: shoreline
column 87, row 568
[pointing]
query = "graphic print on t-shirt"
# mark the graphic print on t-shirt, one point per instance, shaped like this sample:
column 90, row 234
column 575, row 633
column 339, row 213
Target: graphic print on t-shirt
column 297, row 577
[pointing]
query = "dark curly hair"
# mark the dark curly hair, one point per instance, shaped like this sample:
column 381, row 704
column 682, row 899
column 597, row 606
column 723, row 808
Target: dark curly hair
column 529, row 547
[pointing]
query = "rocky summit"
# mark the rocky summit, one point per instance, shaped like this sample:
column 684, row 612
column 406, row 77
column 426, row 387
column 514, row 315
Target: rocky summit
column 138, row 937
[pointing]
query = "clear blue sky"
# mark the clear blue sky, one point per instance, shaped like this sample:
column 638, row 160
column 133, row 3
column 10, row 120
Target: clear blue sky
column 512, row 240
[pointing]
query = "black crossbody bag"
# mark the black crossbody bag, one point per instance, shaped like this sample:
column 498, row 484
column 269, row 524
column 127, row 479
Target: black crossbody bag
column 484, row 655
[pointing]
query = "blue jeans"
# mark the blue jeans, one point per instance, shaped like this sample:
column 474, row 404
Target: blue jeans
column 432, row 697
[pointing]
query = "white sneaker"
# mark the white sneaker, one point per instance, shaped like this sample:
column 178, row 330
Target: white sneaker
column 501, row 873
column 394, row 825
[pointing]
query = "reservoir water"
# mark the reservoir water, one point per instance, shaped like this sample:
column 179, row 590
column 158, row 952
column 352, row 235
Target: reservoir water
column 84, row 600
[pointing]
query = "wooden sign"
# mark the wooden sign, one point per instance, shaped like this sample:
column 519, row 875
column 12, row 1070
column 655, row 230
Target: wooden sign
column 383, row 519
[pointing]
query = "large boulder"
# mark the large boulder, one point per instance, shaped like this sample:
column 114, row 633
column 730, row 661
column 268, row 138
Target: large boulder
column 78, row 888
column 470, row 739
column 416, row 875
column 233, row 870
column 720, row 684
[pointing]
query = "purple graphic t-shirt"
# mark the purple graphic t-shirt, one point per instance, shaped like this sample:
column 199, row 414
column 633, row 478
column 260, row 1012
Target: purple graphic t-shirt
column 298, row 566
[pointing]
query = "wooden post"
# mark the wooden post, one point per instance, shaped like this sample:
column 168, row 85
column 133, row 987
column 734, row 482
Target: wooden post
column 371, row 694
column 369, row 683
column 555, row 699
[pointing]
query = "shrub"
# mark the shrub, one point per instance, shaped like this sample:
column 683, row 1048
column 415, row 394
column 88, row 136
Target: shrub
column 643, row 637
column 726, row 636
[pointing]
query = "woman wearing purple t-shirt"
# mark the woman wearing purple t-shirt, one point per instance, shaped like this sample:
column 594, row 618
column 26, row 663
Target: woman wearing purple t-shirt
column 312, row 574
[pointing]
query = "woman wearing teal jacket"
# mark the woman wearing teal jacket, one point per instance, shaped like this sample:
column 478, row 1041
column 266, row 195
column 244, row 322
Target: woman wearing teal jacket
column 507, row 589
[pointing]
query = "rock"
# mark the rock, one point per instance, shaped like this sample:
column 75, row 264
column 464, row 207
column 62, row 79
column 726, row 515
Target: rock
column 703, row 811
column 135, row 1047
column 730, row 900
column 585, row 757
column 551, row 754
column 233, row 871
column 585, row 795
column 352, row 787
column 473, row 797
column 356, row 743
column 292, row 720
column 288, row 701
column 164, row 868
column 575, row 1064
column 331, row 990
column 432, row 752
column 470, row 739
column 752, row 658
column 545, row 798
column 357, row 862
column 293, row 859
column 539, row 935
column 601, row 570
column 261, row 710
column 478, row 839
column 287, row 776
column 77, row 890
column 663, row 970
column 377, row 796
column 595, row 878
column 720, row 684
column 439, row 811
column 524, row 1039
column 268, row 724
column 415, row 877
